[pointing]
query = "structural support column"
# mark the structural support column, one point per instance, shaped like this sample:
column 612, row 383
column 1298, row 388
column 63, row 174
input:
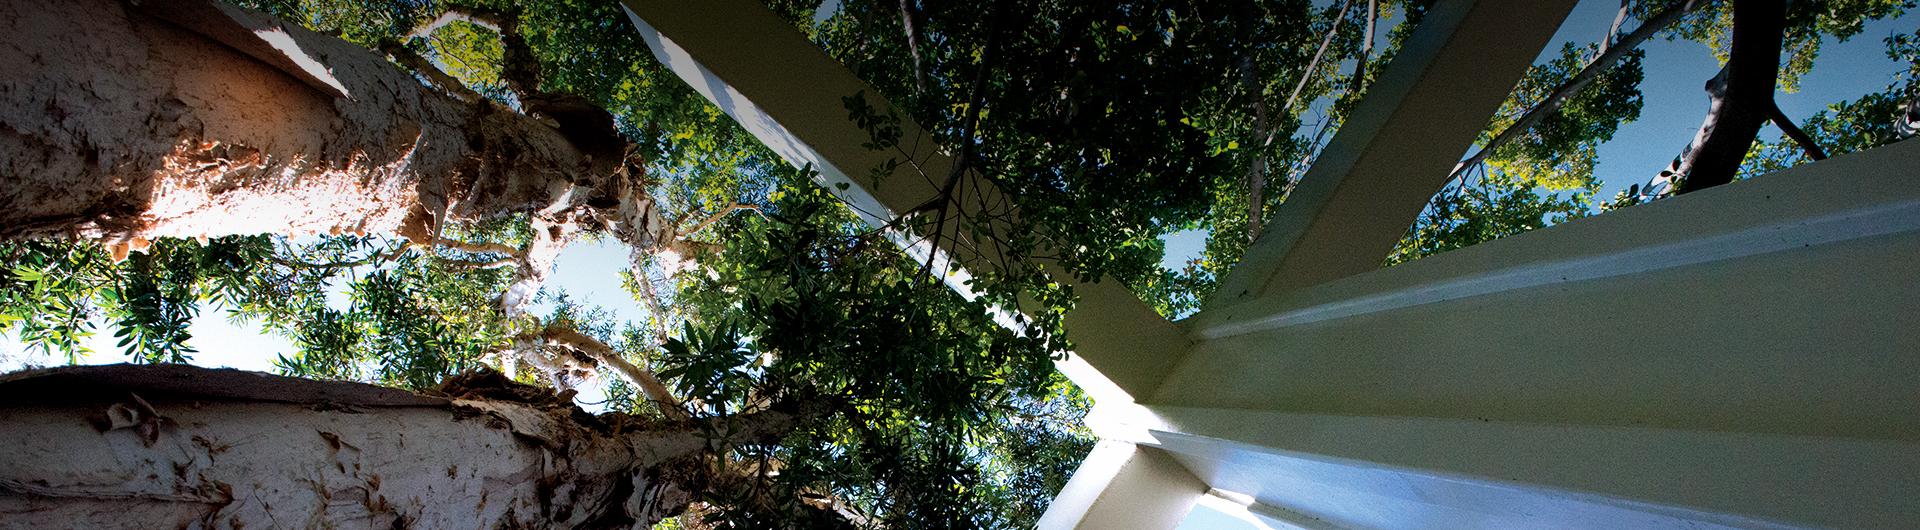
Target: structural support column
column 1122, row 485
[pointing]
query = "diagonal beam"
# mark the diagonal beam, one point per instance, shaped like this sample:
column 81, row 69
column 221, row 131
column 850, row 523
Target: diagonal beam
column 1123, row 485
column 789, row 94
column 1399, row 146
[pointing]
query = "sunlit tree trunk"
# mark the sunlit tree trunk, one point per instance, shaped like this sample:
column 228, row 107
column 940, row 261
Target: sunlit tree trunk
column 172, row 446
column 123, row 121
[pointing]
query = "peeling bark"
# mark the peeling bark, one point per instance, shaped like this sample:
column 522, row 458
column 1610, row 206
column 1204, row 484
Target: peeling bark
column 217, row 449
column 125, row 121
column 192, row 118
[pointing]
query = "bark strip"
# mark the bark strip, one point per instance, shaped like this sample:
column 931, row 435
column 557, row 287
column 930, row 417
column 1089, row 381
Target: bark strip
column 205, row 448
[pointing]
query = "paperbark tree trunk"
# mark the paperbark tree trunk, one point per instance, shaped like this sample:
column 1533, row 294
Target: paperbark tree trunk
column 173, row 446
column 125, row 120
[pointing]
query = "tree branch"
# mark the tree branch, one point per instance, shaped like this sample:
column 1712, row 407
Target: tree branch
column 368, row 260
column 1314, row 64
column 1366, row 49
column 717, row 216
column 476, row 248
column 913, row 46
column 1599, row 65
column 435, row 76
column 1742, row 97
column 1793, row 131
column 1619, row 18
column 1908, row 123
column 1257, row 173
column 653, row 304
column 976, row 99
column 519, row 68
column 599, row 351
column 495, row 264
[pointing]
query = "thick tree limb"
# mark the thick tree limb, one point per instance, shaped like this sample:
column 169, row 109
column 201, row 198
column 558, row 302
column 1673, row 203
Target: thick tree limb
column 437, row 77
column 717, row 216
column 600, row 351
column 1742, row 97
column 1793, row 131
column 519, row 68
column 1599, row 65
column 260, row 451
column 1613, row 31
column 1361, row 63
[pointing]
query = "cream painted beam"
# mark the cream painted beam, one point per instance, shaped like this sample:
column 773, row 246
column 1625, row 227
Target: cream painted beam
column 1390, row 472
column 788, row 93
column 1122, row 485
column 1398, row 147
column 1743, row 356
column 1784, row 304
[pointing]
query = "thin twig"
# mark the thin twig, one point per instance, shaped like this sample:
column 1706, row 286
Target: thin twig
column 1793, row 131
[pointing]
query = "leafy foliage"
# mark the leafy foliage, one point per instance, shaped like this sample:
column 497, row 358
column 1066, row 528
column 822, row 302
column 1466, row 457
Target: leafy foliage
column 1808, row 25
column 1559, row 152
column 1111, row 123
column 813, row 306
column 1490, row 208
column 1868, row 121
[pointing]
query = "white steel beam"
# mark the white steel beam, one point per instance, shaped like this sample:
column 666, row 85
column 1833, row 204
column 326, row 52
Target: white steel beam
column 1122, row 485
column 1398, row 472
column 1745, row 356
column 788, row 93
column 1783, row 304
column 1398, row 147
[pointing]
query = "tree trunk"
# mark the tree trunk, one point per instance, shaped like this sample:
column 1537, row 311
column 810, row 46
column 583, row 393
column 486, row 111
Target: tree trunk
column 188, row 117
column 173, row 446
column 1742, row 96
column 1257, row 148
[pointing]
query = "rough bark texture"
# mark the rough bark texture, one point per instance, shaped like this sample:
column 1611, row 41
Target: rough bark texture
column 181, row 447
column 187, row 118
